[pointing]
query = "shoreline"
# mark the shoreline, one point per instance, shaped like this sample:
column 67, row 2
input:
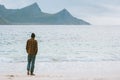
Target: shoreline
column 106, row 70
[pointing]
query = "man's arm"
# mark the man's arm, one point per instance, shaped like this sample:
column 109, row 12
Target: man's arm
column 36, row 46
column 27, row 46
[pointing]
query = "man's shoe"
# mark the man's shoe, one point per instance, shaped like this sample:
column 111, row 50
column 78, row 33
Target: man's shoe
column 32, row 74
column 27, row 72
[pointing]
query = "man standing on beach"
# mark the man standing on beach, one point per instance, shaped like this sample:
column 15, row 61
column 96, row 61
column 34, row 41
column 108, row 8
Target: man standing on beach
column 32, row 49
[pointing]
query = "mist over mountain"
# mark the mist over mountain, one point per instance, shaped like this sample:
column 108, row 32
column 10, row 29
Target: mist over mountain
column 32, row 14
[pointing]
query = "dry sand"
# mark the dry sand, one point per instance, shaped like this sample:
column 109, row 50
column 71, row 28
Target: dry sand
column 62, row 71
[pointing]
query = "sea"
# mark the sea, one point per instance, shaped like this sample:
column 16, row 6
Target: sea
column 61, row 43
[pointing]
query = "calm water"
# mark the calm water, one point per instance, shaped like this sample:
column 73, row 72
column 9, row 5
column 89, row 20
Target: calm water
column 61, row 43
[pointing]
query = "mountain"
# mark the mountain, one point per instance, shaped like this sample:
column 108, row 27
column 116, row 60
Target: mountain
column 3, row 21
column 32, row 14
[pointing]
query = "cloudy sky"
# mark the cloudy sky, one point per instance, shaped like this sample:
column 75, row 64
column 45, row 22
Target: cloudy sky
column 97, row 12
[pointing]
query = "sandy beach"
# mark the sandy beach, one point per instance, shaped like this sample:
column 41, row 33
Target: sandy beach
column 107, row 70
column 65, row 53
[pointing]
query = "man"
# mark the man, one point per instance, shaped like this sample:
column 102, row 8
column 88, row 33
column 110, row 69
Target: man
column 32, row 49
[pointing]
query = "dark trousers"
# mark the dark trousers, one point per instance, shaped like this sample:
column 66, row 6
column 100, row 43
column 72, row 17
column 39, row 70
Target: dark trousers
column 31, row 63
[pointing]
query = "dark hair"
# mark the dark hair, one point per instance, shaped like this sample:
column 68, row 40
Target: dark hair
column 33, row 35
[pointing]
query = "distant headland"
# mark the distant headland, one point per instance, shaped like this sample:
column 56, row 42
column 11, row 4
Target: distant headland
column 32, row 14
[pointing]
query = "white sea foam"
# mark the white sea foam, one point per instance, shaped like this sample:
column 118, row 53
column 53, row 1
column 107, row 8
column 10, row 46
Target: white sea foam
column 61, row 43
column 4, row 59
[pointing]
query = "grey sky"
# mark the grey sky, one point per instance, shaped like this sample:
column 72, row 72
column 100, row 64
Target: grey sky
column 98, row 12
